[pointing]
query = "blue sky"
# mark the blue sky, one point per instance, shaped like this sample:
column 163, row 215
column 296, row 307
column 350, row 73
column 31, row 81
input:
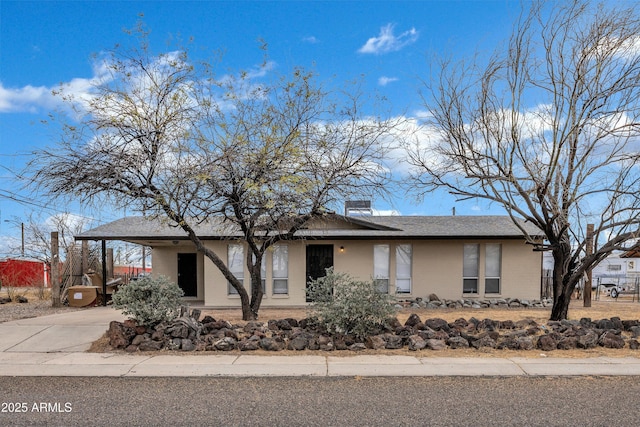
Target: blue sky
column 386, row 44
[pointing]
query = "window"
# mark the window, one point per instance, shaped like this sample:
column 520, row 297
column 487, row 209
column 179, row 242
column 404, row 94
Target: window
column 470, row 268
column 492, row 268
column 235, row 257
column 280, row 271
column 381, row 267
column 403, row 268
column 616, row 267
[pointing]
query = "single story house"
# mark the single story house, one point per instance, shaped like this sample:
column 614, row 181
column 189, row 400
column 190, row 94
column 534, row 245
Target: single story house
column 412, row 256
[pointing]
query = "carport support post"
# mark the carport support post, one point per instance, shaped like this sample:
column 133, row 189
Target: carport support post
column 587, row 286
column 104, row 272
column 55, row 271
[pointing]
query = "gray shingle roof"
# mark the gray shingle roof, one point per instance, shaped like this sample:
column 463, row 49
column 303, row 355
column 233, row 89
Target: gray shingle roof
column 374, row 227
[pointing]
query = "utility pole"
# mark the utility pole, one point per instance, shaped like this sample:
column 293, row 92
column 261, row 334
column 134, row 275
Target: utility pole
column 587, row 286
column 55, row 271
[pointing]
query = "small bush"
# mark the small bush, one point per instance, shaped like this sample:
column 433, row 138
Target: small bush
column 13, row 293
column 43, row 293
column 149, row 301
column 348, row 306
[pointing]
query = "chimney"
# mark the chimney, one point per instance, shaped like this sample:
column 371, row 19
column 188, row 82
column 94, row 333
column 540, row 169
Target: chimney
column 358, row 208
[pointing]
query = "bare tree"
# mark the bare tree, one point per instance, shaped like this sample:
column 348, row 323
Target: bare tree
column 548, row 128
column 162, row 134
column 36, row 234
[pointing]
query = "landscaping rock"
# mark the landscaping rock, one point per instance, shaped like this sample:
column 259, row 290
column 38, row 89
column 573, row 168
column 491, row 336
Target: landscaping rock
column 271, row 344
column 547, row 343
column 325, row 343
column 225, row 344
column 588, row 340
column 375, row 342
column 413, row 320
column 187, row 345
column 568, row 343
column 433, row 297
column 611, row 340
column 249, row 344
column 457, row 342
column 150, row 345
column 139, row 339
column 416, row 343
column 434, row 344
column 188, row 334
column 485, row 341
column 119, row 335
column 357, row 346
column 525, row 343
column 298, row 343
column 392, row 342
column 437, row 324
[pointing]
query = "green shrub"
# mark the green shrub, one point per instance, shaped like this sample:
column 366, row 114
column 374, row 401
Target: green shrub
column 347, row 306
column 149, row 301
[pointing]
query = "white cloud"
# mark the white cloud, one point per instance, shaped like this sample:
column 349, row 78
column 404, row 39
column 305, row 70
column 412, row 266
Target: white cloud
column 387, row 41
column 27, row 98
column 310, row 39
column 384, row 80
column 386, row 212
column 629, row 48
column 34, row 98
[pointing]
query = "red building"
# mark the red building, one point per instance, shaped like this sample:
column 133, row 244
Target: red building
column 23, row 272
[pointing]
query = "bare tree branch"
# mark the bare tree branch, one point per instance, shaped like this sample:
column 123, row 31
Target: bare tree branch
column 568, row 160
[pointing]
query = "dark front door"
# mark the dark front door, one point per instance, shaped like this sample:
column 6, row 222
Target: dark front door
column 319, row 258
column 188, row 274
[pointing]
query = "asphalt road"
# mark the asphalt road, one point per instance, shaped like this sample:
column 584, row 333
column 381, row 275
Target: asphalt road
column 581, row 401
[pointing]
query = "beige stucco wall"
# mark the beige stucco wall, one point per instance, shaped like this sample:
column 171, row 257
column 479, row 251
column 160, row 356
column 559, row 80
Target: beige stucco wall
column 165, row 263
column 436, row 268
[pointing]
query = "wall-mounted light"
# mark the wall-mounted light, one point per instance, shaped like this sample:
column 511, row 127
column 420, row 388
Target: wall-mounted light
column 341, row 248
column 175, row 242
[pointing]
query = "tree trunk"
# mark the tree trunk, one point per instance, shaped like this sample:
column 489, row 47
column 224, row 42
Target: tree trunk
column 560, row 308
column 256, row 294
column 247, row 312
column 562, row 287
column 255, row 272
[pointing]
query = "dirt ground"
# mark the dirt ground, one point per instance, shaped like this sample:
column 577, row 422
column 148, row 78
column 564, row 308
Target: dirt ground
column 624, row 308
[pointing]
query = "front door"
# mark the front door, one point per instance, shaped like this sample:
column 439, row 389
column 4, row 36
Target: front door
column 188, row 274
column 319, row 258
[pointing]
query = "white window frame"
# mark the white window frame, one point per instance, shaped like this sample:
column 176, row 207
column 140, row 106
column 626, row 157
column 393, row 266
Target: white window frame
column 470, row 268
column 235, row 263
column 280, row 253
column 381, row 267
column 404, row 270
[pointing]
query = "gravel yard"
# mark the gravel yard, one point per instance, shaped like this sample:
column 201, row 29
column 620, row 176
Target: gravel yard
column 16, row 311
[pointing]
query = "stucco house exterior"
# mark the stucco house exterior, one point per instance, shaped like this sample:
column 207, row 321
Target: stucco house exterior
column 454, row 257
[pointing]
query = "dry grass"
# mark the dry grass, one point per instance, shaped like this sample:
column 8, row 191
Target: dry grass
column 623, row 308
column 39, row 304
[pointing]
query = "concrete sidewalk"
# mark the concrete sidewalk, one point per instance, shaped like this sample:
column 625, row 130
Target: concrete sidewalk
column 56, row 345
